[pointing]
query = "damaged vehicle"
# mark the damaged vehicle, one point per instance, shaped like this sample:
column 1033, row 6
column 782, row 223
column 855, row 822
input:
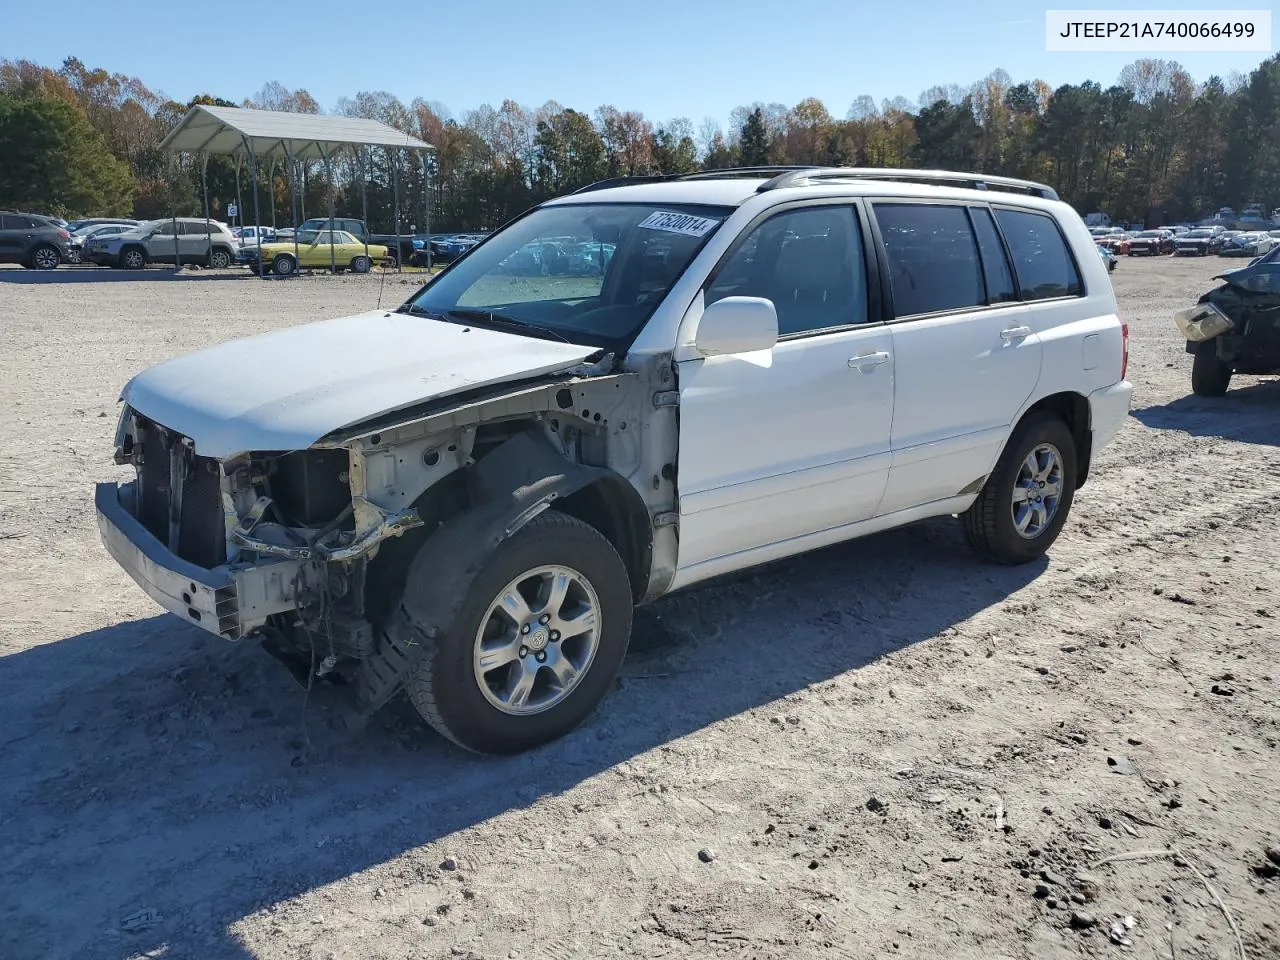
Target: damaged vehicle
column 465, row 497
column 1235, row 327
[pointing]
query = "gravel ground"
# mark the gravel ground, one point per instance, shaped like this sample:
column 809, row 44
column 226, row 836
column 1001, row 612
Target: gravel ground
column 882, row 749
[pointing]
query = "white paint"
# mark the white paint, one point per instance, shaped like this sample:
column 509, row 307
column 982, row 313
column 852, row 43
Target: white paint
column 286, row 389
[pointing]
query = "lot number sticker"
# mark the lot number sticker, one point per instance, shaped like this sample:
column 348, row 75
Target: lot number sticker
column 684, row 223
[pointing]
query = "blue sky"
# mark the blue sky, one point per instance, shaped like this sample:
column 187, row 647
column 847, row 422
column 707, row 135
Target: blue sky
column 666, row 58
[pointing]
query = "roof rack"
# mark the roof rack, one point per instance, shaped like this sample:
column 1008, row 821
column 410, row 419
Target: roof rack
column 974, row 181
column 722, row 173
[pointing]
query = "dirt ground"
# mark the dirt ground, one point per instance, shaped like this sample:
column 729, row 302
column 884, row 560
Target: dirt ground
column 883, row 748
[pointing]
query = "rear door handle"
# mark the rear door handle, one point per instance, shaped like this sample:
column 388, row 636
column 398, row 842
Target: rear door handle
column 866, row 362
column 1015, row 333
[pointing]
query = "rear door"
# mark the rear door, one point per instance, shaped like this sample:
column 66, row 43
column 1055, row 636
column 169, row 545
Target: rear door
column 966, row 354
column 13, row 231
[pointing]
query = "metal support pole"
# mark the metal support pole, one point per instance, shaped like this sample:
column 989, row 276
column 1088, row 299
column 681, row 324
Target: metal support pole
column 395, row 186
column 257, row 218
column 271, row 185
column 293, row 202
column 239, row 199
column 173, row 216
column 328, row 173
column 204, row 190
column 427, row 203
column 364, row 197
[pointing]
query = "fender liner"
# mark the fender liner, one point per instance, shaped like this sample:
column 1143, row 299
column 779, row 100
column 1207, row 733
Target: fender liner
column 510, row 486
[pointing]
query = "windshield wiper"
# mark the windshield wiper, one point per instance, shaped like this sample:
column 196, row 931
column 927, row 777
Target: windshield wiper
column 502, row 321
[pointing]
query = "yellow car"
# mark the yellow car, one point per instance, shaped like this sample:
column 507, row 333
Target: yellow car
column 313, row 251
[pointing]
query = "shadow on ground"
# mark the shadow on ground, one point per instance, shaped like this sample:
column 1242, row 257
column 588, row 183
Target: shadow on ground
column 1248, row 414
column 152, row 767
column 86, row 274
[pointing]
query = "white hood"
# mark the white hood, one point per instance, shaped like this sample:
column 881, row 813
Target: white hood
column 286, row 389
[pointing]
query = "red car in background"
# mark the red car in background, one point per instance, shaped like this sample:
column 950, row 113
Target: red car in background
column 1117, row 243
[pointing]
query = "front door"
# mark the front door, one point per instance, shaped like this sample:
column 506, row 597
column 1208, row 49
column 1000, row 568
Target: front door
column 162, row 245
column 781, row 444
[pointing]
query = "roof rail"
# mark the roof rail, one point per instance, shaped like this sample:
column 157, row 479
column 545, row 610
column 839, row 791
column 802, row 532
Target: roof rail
column 974, row 181
column 722, row 173
column 619, row 182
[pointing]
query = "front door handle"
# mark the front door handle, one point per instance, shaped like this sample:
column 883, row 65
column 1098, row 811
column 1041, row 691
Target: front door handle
column 1015, row 333
column 866, row 362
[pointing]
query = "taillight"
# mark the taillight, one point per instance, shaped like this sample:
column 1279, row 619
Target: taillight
column 1124, row 360
column 63, row 235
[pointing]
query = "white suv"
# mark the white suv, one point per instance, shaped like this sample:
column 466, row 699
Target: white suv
column 624, row 392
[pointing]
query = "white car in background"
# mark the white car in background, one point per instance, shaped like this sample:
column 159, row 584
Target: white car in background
column 464, row 497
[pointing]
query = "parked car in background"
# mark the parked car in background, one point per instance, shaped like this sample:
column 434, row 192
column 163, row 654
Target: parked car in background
column 400, row 248
column 78, row 226
column 1151, row 242
column 80, row 237
column 1198, row 242
column 318, row 249
column 1177, row 229
column 1117, row 243
column 32, row 240
column 249, row 235
column 1235, row 328
column 209, row 243
column 1247, row 245
column 1108, row 258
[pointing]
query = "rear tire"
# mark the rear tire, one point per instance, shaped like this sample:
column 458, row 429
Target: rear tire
column 361, row 265
column 219, row 260
column 1016, row 496
column 390, row 261
column 44, row 256
column 1210, row 375
column 485, row 708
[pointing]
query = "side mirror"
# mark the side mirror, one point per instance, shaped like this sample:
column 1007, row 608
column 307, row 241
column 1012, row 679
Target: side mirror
column 737, row 325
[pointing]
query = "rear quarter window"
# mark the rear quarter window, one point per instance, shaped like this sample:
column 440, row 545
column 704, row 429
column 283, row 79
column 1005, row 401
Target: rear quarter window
column 1042, row 260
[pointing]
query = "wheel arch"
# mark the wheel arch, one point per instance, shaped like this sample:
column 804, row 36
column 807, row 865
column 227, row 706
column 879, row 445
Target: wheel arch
column 1073, row 409
column 492, row 500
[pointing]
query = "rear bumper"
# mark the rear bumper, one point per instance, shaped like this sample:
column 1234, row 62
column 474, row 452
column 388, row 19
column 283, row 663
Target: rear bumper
column 1108, row 410
column 229, row 601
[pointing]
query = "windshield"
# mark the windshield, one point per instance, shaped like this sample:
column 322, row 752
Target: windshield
column 591, row 273
column 1199, row 234
column 1151, row 234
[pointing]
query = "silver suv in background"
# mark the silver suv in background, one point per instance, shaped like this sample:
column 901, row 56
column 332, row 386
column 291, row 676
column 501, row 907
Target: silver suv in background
column 206, row 242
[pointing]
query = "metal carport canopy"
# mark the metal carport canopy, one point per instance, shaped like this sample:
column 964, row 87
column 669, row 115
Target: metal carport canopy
column 276, row 133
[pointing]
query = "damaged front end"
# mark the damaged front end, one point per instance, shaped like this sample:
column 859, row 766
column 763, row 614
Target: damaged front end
column 308, row 550
column 1238, row 323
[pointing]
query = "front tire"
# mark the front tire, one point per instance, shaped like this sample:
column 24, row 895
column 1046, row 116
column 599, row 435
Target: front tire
column 1026, row 499
column 535, row 644
column 1210, row 375
column 132, row 258
column 390, row 261
column 284, row 265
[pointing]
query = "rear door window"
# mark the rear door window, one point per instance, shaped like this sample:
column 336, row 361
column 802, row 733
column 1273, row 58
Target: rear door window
column 934, row 264
column 1041, row 259
column 995, row 264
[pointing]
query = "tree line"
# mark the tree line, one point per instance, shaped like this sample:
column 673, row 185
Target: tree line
column 1154, row 146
